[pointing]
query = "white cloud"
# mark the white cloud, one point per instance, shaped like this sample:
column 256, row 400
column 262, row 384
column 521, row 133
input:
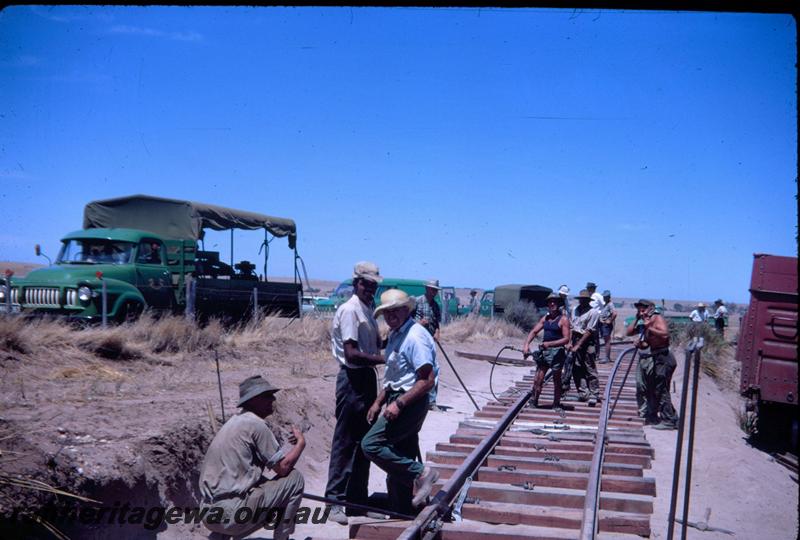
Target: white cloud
column 151, row 32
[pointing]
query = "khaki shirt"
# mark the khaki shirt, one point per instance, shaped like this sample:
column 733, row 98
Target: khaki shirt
column 237, row 456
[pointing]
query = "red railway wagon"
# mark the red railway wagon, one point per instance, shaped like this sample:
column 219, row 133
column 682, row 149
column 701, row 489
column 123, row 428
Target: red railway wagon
column 767, row 349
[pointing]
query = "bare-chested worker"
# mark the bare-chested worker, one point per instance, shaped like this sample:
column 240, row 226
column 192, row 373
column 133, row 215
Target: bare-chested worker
column 656, row 365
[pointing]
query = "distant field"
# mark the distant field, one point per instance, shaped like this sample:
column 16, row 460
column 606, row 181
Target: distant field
column 326, row 287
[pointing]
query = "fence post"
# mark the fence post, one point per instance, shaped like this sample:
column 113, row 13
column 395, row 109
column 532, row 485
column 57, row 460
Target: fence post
column 8, row 275
column 190, row 298
column 103, row 298
column 255, row 304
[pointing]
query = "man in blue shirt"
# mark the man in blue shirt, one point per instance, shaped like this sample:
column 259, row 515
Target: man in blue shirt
column 408, row 385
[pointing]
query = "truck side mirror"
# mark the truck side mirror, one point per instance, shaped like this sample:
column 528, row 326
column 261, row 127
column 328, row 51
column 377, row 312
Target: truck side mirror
column 37, row 249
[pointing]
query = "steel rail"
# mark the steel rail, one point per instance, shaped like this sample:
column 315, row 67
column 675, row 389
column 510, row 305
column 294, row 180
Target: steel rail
column 687, row 485
column 441, row 503
column 676, row 467
column 591, row 502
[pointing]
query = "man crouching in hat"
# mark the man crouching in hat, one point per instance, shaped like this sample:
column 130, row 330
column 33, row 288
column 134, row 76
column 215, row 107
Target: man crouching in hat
column 238, row 498
column 408, row 386
column 556, row 335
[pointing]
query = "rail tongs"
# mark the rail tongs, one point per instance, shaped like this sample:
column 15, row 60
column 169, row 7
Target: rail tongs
column 704, row 526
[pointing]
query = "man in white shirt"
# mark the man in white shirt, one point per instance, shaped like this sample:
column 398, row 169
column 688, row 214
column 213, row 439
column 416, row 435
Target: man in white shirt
column 719, row 317
column 699, row 313
column 584, row 327
column 355, row 343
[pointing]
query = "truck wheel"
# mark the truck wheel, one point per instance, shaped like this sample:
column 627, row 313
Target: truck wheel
column 129, row 312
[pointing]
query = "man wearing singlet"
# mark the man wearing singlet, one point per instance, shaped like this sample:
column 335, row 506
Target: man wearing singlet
column 551, row 351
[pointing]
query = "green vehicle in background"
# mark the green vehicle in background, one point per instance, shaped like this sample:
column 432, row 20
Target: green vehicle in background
column 147, row 253
column 413, row 287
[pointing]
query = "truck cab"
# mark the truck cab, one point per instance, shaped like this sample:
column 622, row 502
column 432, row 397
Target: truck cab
column 131, row 262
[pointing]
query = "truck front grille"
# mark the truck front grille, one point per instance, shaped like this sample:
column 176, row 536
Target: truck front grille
column 72, row 297
column 42, row 296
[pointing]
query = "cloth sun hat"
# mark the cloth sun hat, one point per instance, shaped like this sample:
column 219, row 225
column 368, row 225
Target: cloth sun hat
column 719, row 302
column 591, row 285
column 433, row 284
column 583, row 294
column 367, row 270
column 606, row 293
column 701, row 304
column 644, row 303
column 393, row 299
column 252, row 387
column 563, row 290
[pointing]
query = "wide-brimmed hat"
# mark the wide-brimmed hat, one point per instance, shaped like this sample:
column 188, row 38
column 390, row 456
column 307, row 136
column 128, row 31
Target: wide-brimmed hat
column 432, row 284
column 643, row 303
column 606, row 293
column 554, row 296
column 367, row 270
column 719, row 301
column 473, row 291
column 591, row 285
column 583, row 294
column 563, row 290
column 252, row 387
column 393, row 299
column 701, row 304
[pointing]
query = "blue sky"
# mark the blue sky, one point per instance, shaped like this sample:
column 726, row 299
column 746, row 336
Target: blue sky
column 650, row 152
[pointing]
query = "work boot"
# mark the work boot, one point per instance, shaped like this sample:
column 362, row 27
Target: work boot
column 592, row 401
column 665, row 425
column 337, row 515
column 423, row 485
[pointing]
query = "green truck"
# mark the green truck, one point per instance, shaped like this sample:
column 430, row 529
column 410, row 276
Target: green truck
column 414, row 287
column 148, row 252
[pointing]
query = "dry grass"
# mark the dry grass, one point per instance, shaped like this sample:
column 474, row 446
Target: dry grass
column 475, row 328
column 307, row 331
column 150, row 337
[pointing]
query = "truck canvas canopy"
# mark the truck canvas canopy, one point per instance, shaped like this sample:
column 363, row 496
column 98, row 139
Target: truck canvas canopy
column 174, row 218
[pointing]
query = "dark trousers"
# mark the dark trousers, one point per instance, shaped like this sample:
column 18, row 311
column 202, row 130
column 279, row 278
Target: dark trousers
column 663, row 367
column 394, row 446
column 584, row 370
column 348, row 471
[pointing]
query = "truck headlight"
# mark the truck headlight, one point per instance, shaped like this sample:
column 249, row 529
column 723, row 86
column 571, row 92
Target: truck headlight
column 84, row 293
column 3, row 289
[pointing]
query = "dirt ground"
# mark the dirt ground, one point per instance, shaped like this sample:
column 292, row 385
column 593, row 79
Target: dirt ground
column 126, row 417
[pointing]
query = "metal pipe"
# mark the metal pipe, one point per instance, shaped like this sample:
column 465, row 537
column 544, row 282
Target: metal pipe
column 442, row 501
column 676, row 468
column 590, row 505
column 364, row 507
column 622, row 384
column 219, row 384
column 687, row 485
column 464, row 386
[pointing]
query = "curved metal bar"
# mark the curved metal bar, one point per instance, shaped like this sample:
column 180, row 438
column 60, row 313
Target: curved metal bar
column 590, row 506
column 442, row 501
column 622, row 384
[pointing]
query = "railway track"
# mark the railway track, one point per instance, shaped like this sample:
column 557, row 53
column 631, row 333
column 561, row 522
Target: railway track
column 512, row 471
